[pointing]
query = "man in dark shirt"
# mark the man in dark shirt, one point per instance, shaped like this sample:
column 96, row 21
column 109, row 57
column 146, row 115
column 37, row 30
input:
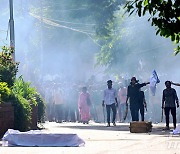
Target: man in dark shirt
column 168, row 103
column 142, row 104
column 133, row 95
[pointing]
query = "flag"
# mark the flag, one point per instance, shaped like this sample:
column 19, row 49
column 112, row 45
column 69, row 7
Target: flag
column 153, row 81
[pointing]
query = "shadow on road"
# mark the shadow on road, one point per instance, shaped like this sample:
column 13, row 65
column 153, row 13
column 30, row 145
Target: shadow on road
column 156, row 130
column 98, row 127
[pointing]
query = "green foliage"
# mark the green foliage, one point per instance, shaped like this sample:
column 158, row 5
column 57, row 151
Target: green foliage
column 112, row 51
column 95, row 18
column 25, row 90
column 164, row 14
column 22, row 112
column 100, row 12
column 19, row 92
column 5, row 92
column 8, row 68
column 106, row 56
column 177, row 50
column 41, row 108
column 24, row 96
column 106, row 15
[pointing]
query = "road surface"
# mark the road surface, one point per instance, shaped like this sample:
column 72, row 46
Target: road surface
column 100, row 139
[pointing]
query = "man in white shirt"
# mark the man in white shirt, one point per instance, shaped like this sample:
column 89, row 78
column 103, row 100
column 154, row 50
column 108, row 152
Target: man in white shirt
column 110, row 100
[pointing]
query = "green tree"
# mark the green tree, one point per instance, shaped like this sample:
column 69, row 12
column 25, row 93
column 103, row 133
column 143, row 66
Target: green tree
column 164, row 15
column 8, row 68
column 5, row 92
column 101, row 12
column 106, row 16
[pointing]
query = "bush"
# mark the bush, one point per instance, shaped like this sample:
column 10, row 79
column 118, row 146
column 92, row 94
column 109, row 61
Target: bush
column 24, row 96
column 8, row 68
column 41, row 108
column 25, row 90
column 5, row 92
column 20, row 93
column 23, row 99
column 22, row 112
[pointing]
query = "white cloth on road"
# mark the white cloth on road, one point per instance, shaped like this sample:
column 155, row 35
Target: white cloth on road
column 153, row 81
column 41, row 139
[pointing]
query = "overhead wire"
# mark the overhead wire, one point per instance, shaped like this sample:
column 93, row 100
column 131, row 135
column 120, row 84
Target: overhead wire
column 77, row 27
column 52, row 23
column 55, row 24
column 68, row 9
column 151, row 49
column 4, row 31
column 74, row 23
column 4, row 41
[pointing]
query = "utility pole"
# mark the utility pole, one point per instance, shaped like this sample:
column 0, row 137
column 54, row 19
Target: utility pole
column 11, row 25
column 41, row 38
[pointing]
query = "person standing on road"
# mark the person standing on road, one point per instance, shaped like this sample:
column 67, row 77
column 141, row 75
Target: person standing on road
column 73, row 105
column 110, row 100
column 142, row 104
column 58, row 105
column 84, row 104
column 133, row 95
column 122, row 94
column 169, row 99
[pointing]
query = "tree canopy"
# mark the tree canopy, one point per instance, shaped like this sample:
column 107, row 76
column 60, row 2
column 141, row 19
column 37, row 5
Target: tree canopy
column 164, row 14
column 85, row 29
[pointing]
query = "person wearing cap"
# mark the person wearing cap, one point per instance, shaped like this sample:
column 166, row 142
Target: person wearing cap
column 134, row 97
column 169, row 99
column 110, row 100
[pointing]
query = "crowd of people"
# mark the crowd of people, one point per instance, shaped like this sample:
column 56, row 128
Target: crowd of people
column 75, row 103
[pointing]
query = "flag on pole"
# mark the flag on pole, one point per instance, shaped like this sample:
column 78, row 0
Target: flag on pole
column 153, row 81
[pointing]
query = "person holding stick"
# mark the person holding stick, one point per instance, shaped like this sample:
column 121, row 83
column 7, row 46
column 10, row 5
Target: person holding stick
column 110, row 100
column 169, row 99
column 133, row 97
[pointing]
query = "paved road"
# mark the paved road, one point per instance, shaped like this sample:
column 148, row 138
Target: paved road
column 101, row 140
